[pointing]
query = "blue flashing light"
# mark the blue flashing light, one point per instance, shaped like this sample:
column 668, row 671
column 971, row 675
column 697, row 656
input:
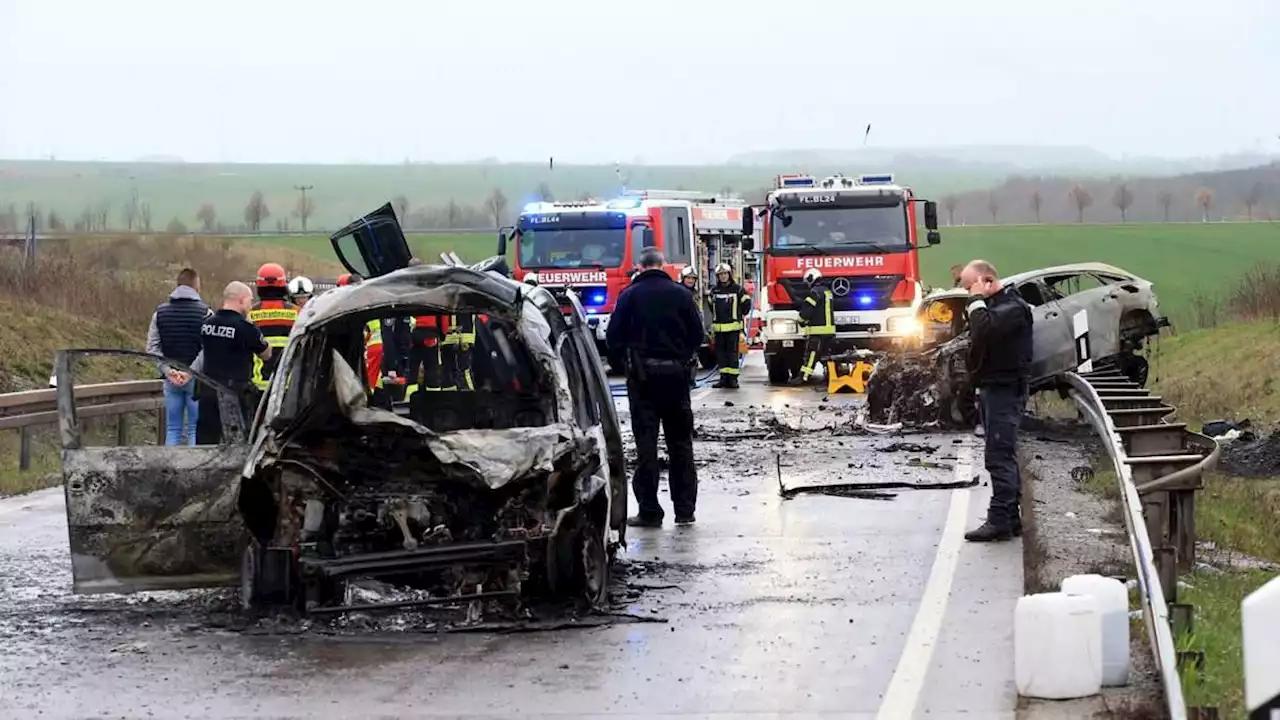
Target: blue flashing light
column 597, row 297
column 886, row 179
column 804, row 181
column 532, row 207
column 592, row 311
column 866, row 300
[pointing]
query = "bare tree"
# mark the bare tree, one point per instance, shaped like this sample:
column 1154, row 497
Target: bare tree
column 1037, row 201
column 100, row 215
column 1252, row 199
column 305, row 208
column 400, row 204
column 1082, row 199
column 55, row 223
column 256, row 211
column 452, row 212
column 207, row 216
column 1122, row 198
column 129, row 214
column 951, row 202
column 175, row 227
column 993, row 206
column 1165, row 198
column 544, row 193
column 497, row 206
column 1204, row 198
column 144, row 216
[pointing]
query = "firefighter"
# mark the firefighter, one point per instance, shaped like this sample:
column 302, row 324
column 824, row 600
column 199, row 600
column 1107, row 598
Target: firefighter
column 301, row 289
column 819, row 326
column 274, row 315
column 689, row 278
column 426, row 333
column 729, row 307
column 455, row 353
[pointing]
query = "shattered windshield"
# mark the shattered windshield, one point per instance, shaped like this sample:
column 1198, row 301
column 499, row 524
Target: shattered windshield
column 568, row 248
column 862, row 229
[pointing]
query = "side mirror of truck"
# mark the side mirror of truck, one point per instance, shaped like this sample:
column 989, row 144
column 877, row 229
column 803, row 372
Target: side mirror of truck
column 502, row 242
column 748, row 223
column 930, row 216
column 933, row 237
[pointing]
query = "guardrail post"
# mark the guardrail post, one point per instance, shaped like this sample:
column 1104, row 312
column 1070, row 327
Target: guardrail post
column 24, row 448
column 122, row 430
column 1183, row 528
column 161, row 420
column 1182, row 618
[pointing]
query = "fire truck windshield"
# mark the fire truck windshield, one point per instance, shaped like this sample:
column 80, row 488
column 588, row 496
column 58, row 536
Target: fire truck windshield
column 560, row 247
column 847, row 229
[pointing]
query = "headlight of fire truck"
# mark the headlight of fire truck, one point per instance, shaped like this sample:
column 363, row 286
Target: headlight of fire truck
column 905, row 326
column 784, row 326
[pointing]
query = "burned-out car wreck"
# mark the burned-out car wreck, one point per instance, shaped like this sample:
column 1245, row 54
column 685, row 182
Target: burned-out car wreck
column 512, row 489
column 1085, row 315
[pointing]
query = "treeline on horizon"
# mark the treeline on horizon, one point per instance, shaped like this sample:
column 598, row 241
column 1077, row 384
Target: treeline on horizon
column 1247, row 194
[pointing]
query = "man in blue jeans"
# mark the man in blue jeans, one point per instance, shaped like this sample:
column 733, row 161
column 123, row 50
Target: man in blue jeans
column 175, row 334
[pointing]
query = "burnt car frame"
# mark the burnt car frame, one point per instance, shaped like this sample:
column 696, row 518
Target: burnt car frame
column 517, row 487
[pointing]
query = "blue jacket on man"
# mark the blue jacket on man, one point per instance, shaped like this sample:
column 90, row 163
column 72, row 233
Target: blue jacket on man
column 657, row 318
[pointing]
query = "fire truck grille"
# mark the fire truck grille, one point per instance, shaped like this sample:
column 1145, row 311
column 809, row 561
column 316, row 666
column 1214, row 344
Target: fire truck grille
column 865, row 292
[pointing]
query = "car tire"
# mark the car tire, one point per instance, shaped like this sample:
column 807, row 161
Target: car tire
column 779, row 369
column 1136, row 368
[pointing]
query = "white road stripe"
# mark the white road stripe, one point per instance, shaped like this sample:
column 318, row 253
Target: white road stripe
column 917, row 653
column 700, row 394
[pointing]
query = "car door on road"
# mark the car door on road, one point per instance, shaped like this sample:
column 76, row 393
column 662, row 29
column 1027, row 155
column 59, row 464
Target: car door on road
column 1089, row 302
column 1053, row 349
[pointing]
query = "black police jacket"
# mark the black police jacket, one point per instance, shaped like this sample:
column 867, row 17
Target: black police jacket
column 1000, row 340
column 657, row 318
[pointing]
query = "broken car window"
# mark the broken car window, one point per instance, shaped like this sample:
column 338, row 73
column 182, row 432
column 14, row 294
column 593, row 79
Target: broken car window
column 1066, row 285
column 1030, row 291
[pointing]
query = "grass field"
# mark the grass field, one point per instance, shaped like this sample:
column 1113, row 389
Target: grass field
column 343, row 192
column 1183, row 260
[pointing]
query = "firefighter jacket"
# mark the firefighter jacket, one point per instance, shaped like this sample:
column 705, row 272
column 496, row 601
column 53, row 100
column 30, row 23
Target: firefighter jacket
column 462, row 331
column 428, row 330
column 729, row 306
column 275, row 318
column 815, row 312
column 385, row 345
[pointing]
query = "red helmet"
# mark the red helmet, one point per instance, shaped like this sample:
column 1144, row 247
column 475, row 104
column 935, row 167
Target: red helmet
column 348, row 279
column 271, row 275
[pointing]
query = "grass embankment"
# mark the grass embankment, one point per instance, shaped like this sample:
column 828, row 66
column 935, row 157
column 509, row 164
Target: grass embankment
column 1225, row 372
column 100, row 294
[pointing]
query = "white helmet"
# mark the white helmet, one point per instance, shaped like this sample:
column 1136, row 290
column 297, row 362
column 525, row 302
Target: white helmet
column 812, row 275
column 723, row 268
column 301, row 286
column 687, row 271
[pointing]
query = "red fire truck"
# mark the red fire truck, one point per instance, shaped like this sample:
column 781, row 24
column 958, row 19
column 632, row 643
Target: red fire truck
column 593, row 247
column 860, row 232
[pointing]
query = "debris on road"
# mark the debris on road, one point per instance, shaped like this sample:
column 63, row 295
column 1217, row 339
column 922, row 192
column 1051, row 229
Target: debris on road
column 924, row 389
column 1256, row 457
column 908, row 447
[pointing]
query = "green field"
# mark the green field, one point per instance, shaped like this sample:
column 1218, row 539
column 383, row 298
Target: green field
column 344, row 192
column 1183, row 260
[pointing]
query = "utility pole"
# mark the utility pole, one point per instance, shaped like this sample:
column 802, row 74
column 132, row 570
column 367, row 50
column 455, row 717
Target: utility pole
column 303, row 210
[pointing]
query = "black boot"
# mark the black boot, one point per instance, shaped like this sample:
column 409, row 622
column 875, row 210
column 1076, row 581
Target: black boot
column 989, row 533
column 644, row 522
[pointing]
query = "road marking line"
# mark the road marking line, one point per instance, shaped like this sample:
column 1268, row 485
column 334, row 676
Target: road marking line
column 917, row 653
column 700, row 394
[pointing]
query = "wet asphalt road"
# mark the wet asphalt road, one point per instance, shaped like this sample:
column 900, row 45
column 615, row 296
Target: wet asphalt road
column 817, row 606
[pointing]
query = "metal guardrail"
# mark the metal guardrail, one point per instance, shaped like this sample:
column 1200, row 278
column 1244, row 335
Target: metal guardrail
column 64, row 235
column 32, row 408
column 1159, row 466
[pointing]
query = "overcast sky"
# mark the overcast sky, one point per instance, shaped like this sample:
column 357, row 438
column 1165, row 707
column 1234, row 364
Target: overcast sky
column 666, row 80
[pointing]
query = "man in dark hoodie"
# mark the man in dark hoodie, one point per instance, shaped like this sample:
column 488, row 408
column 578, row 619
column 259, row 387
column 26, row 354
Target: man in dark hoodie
column 175, row 334
column 656, row 329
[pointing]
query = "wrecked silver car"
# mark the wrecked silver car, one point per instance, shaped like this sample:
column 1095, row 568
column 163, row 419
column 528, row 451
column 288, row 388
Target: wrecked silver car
column 1086, row 316
column 512, row 489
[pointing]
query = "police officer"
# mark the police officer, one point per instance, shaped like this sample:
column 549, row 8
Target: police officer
column 999, row 362
column 729, row 307
column 656, row 328
column 229, row 344
column 274, row 315
column 818, row 323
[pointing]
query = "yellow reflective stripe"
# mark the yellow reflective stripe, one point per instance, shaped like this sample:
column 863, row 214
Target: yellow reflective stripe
column 451, row 339
column 830, row 299
column 726, row 327
column 730, row 371
column 260, row 314
column 811, row 301
column 258, row 366
column 373, row 332
column 276, row 341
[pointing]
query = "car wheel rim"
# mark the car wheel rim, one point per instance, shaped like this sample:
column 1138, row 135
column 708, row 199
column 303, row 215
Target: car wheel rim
column 595, row 564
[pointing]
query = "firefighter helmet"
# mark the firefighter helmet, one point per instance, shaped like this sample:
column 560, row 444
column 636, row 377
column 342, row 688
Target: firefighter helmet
column 271, row 275
column 301, row 286
column 688, row 271
column 723, row 268
column 349, row 279
column 812, row 275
